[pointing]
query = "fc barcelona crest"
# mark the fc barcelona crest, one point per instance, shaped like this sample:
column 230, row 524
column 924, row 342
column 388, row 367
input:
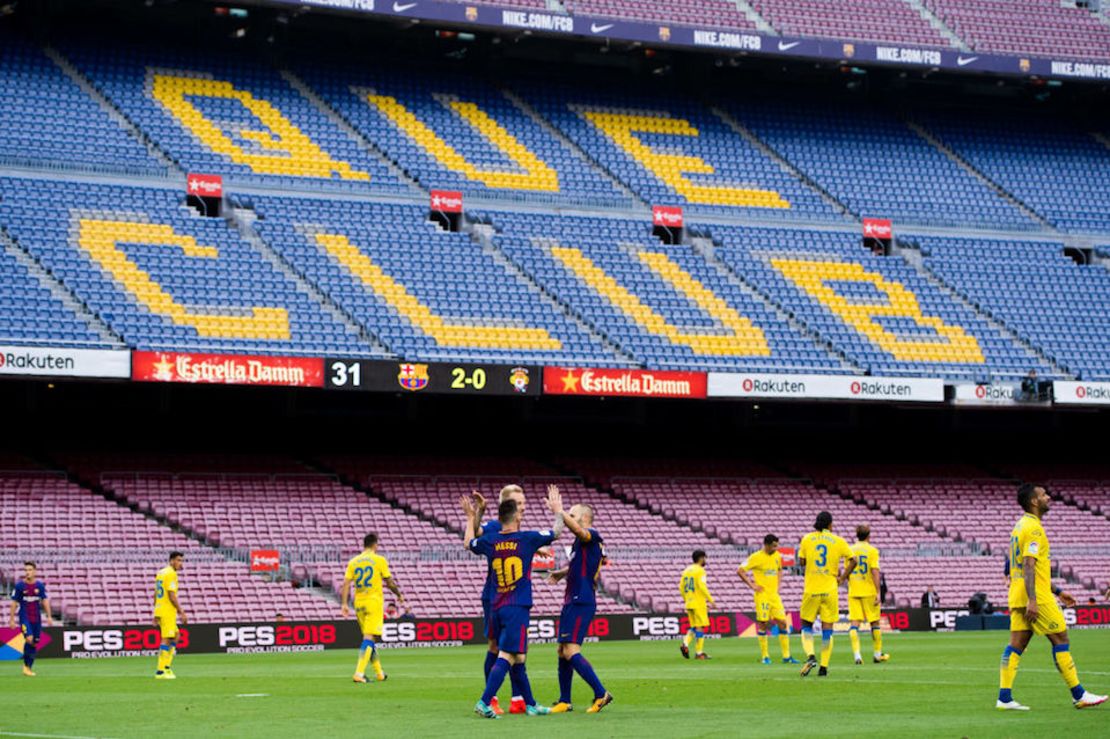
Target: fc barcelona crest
column 413, row 377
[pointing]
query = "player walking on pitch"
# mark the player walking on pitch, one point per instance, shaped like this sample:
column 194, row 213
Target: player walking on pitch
column 1033, row 609
column 695, row 593
column 765, row 565
column 820, row 554
column 29, row 599
column 167, row 609
column 579, row 607
column 366, row 573
column 863, row 595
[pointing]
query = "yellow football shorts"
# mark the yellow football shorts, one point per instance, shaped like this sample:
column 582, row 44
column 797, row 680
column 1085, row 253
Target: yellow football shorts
column 769, row 608
column 863, row 609
column 698, row 617
column 370, row 618
column 1050, row 619
column 167, row 624
column 825, row 605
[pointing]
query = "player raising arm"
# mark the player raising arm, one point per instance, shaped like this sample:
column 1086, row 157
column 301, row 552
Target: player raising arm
column 366, row 573
column 579, row 606
column 167, row 609
column 766, row 566
column 509, row 554
column 1033, row 609
column 29, row 599
column 819, row 554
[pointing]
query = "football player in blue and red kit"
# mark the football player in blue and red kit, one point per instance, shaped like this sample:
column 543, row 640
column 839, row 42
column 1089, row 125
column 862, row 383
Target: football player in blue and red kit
column 579, row 606
column 509, row 554
column 29, row 599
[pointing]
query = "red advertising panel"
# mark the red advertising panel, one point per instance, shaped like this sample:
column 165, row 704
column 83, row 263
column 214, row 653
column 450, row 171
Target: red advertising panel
column 630, row 383
column 265, row 560
column 205, row 185
column 447, row 201
column 665, row 215
column 878, row 228
column 227, row 369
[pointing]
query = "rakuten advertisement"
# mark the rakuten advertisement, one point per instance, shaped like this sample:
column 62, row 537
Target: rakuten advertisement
column 49, row 362
column 1003, row 393
column 826, row 387
column 227, row 369
column 1081, row 393
column 629, row 383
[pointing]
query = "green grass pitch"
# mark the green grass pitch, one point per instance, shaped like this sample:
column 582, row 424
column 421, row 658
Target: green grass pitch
column 940, row 685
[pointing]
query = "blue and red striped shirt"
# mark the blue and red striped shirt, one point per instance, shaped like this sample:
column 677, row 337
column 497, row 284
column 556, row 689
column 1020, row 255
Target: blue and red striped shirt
column 509, row 558
column 585, row 560
column 29, row 596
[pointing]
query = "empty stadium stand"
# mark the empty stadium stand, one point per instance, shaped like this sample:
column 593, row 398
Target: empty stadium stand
column 881, row 312
column 884, row 21
column 723, row 13
column 163, row 277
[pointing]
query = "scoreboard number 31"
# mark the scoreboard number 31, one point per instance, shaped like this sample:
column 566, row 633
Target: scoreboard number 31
column 343, row 373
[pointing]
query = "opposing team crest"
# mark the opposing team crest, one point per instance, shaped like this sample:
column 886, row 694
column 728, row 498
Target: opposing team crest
column 471, row 13
column 849, row 50
column 1024, row 64
column 519, row 379
column 413, row 376
column 664, row 33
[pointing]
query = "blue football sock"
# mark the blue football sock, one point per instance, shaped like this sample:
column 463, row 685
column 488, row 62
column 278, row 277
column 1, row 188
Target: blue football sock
column 29, row 655
column 491, row 657
column 519, row 672
column 566, row 677
column 497, row 675
column 585, row 670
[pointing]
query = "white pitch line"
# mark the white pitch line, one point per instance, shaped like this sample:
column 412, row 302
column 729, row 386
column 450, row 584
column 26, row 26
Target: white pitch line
column 47, row 736
column 253, row 695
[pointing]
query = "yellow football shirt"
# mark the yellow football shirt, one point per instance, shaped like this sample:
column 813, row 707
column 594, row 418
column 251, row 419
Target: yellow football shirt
column 1028, row 540
column 861, row 583
column 822, row 551
column 365, row 571
column 765, row 569
column 694, row 589
column 164, row 584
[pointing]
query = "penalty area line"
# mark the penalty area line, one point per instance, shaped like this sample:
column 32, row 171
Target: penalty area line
column 252, row 695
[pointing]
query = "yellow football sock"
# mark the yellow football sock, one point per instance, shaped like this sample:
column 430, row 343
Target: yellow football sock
column 762, row 646
column 364, row 656
column 877, row 640
column 377, row 665
column 807, row 642
column 1010, row 660
column 784, row 645
column 169, row 656
column 826, row 648
column 162, row 660
column 853, row 634
column 1066, row 665
column 688, row 638
column 700, row 644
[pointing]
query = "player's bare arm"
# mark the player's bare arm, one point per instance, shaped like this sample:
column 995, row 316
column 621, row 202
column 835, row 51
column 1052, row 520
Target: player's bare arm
column 180, row 611
column 557, row 575
column 344, row 591
column 391, row 583
column 470, row 508
column 555, row 505
column 1067, row 599
column 46, row 608
column 755, row 587
column 1031, row 611
column 849, row 568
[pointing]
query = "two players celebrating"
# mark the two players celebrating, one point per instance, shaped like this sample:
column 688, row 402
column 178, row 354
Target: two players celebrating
column 507, row 596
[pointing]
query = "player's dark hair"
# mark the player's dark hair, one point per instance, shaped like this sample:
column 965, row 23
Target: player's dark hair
column 30, row 564
column 769, row 540
column 175, row 555
column 369, row 540
column 1025, row 495
column 698, row 554
column 824, row 521
column 506, row 511
column 863, row 532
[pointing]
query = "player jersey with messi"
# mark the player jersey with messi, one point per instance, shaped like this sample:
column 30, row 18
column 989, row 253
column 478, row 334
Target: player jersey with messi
column 29, row 596
column 585, row 560
column 510, row 563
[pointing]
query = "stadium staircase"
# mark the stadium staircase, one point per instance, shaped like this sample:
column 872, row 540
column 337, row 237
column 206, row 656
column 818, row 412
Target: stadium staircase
column 941, row 27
